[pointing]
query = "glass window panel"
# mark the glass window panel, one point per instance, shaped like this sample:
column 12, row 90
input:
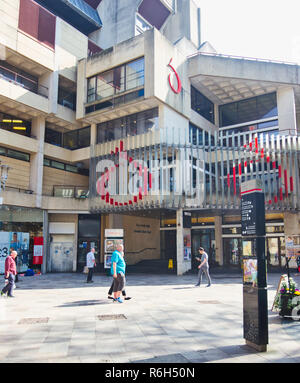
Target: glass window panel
column 246, row 110
column 71, row 140
column 57, row 165
column 91, row 89
column 135, row 74
column 119, row 79
column 105, row 85
column 202, row 105
column 47, row 162
column 84, row 137
column 252, row 109
column 266, row 106
column 18, row 155
column 70, row 168
column 2, row 151
column 53, row 137
column 228, row 114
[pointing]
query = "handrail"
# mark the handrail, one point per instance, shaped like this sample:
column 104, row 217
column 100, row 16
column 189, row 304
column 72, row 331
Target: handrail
column 38, row 86
column 241, row 58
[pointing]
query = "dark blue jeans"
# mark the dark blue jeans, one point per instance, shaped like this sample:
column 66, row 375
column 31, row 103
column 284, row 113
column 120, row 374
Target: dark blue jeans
column 90, row 274
column 9, row 287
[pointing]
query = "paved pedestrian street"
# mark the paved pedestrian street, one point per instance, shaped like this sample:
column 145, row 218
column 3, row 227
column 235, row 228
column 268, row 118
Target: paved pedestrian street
column 61, row 318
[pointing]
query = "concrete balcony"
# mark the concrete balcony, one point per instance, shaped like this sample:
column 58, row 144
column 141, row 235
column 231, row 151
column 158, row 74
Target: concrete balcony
column 16, row 141
column 15, row 94
column 65, row 204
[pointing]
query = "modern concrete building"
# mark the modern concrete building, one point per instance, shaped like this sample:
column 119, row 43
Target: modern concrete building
column 116, row 115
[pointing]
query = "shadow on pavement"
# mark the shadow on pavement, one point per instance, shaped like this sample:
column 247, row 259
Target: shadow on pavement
column 85, row 303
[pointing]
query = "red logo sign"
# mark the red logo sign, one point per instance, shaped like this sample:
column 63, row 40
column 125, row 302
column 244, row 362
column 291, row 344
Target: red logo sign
column 178, row 90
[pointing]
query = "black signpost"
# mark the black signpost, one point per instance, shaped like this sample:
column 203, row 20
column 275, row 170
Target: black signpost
column 255, row 305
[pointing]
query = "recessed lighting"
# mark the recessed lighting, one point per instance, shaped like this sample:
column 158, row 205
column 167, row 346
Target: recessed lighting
column 19, row 127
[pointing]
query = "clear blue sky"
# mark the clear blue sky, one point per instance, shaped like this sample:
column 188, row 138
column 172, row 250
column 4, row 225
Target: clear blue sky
column 258, row 28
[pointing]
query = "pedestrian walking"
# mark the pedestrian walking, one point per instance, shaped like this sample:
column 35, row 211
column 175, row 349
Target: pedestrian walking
column 117, row 270
column 203, row 267
column 9, row 274
column 90, row 263
column 110, row 291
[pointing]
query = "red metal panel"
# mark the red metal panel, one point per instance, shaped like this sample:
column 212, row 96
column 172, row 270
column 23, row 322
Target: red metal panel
column 29, row 17
column 46, row 28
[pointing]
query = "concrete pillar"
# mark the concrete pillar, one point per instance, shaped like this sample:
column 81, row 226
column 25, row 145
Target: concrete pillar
column 286, row 110
column 219, row 240
column 37, row 159
column 93, row 134
column 182, row 265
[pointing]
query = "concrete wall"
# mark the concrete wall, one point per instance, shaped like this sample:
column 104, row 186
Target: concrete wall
column 18, row 174
column 142, row 238
column 54, row 177
column 70, row 46
column 118, row 18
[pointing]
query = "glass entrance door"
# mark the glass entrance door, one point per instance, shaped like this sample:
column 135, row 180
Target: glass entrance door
column 232, row 249
column 203, row 238
column 84, row 246
column 274, row 251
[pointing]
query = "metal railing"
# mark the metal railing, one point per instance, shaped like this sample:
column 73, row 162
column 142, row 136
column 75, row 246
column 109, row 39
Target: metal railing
column 241, row 58
column 65, row 191
column 164, row 169
column 23, row 81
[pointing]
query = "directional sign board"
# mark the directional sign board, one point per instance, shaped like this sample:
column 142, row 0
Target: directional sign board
column 252, row 209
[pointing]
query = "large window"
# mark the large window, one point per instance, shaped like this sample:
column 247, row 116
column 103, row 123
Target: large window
column 14, row 154
column 63, row 166
column 252, row 109
column 132, row 125
column 15, row 124
column 74, row 139
column 115, row 81
column 202, row 105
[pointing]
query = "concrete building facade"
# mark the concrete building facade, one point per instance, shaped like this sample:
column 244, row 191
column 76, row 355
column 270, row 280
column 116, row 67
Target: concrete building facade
column 116, row 115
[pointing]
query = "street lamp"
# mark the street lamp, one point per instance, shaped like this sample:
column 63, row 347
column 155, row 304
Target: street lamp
column 3, row 177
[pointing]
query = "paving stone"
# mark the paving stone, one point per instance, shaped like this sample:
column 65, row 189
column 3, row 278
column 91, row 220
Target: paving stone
column 167, row 321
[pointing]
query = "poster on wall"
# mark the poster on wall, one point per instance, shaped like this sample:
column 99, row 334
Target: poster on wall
column 187, row 256
column 292, row 246
column 113, row 238
column 250, row 271
column 18, row 242
column 38, row 246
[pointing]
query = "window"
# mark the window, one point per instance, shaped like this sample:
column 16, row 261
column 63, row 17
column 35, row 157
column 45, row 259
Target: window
column 116, row 81
column 105, row 85
column 132, row 125
column 14, row 154
column 65, row 167
column 53, row 137
column 256, row 108
column 66, row 98
column 202, row 105
column 15, row 124
column 71, row 140
column 135, row 74
column 77, row 139
column 57, row 165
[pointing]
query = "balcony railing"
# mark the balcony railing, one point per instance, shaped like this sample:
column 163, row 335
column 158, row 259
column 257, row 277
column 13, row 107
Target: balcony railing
column 23, row 81
column 79, row 192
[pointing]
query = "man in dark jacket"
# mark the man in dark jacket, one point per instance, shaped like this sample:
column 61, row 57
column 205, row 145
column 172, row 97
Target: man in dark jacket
column 10, row 273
